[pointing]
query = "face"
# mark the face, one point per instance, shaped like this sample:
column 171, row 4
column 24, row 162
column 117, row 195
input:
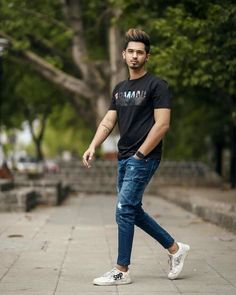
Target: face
column 135, row 55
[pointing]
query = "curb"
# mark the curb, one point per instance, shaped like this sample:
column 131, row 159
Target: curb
column 226, row 220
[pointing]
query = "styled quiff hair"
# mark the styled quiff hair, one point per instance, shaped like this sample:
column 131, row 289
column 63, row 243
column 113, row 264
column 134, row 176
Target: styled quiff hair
column 136, row 35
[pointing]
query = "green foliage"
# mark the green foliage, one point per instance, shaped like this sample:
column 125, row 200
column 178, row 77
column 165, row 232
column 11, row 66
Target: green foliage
column 26, row 96
column 39, row 26
column 193, row 49
column 66, row 131
column 193, row 45
column 194, row 52
column 200, row 51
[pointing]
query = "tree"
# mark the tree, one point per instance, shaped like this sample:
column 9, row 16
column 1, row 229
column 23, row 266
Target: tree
column 194, row 44
column 66, row 131
column 28, row 97
column 195, row 53
column 59, row 51
column 76, row 45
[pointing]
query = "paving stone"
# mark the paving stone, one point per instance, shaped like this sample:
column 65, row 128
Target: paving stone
column 63, row 248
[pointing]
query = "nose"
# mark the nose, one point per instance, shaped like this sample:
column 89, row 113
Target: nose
column 135, row 55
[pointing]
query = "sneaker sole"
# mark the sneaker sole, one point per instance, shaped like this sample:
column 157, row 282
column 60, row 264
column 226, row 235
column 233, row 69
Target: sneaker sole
column 112, row 284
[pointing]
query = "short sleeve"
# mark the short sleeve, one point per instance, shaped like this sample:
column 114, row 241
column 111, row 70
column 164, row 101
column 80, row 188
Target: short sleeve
column 114, row 98
column 162, row 95
column 113, row 103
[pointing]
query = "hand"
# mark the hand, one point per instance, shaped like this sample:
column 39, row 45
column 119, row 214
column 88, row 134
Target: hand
column 88, row 157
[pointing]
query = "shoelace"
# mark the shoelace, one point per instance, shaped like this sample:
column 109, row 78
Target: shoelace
column 110, row 273
column 174, row 261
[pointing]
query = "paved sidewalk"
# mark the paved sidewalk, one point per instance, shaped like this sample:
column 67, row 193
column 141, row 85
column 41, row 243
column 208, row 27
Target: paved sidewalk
column 60, row 250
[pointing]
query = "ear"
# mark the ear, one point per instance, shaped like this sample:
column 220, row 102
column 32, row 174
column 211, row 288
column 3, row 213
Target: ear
column 123, row 54
column 147, row 57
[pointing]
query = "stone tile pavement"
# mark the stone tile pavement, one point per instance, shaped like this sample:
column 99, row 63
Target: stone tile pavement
column 59, row 250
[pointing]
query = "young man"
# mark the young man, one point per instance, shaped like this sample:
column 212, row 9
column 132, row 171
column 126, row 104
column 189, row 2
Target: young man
column 141, row 106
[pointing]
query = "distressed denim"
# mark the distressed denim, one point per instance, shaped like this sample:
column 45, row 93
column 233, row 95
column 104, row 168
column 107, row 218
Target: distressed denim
column 133, row 177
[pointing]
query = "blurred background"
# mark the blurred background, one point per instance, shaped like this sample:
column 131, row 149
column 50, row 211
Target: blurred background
column 59, row 61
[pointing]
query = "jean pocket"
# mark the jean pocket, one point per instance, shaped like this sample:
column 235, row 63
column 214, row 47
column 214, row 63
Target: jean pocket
column 138, row 160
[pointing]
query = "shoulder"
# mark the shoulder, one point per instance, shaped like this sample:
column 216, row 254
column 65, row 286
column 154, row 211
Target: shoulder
column 119, row 85
column 157, row 81
column 161, row 91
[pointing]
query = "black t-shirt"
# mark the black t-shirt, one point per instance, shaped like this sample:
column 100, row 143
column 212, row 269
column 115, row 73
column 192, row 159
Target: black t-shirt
column 135, row 101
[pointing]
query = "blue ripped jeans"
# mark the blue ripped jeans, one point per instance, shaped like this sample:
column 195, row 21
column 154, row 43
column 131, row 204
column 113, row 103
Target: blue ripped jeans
column 133, row 177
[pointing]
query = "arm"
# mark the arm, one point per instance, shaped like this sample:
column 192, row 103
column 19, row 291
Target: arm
column 104, row 129
column 162, row 123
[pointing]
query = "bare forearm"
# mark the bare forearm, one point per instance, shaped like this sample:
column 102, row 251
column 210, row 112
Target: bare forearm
column 103, row 131
column 154, row 137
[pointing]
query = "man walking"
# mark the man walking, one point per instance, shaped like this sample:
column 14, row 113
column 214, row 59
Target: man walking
column 141, row 106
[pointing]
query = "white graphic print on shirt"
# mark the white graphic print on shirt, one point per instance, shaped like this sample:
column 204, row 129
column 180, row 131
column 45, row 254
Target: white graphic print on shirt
column 130, row 98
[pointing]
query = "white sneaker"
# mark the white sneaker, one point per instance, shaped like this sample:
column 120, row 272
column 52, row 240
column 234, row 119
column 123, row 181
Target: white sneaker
column 113, row 277
column 176, row 260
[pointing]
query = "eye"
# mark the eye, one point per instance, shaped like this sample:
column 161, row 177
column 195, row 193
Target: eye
column 140, row 52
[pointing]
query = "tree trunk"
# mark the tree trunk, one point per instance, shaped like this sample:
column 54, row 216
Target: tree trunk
column 233, row 147
column 218, row 157
column 117, row 66
column 38, row 139
column 38, row 150
column 95, row 82
column 1, row 84
column 233, row 161
column 118, row 69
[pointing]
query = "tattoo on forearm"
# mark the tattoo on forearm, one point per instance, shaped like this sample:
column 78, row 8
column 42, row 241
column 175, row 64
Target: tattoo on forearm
column 107, row 130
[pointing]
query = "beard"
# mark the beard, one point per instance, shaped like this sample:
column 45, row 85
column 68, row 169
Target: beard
column 137, row 65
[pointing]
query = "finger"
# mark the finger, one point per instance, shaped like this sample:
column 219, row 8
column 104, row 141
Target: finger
column 85, row 160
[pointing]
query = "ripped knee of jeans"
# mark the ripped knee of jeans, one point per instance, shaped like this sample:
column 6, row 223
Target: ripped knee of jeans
column 119, row 205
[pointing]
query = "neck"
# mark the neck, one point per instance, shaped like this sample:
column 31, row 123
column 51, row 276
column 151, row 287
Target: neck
column 135, row 74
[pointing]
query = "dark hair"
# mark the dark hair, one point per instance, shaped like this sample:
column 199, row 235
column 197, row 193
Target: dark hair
column 136, row 35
